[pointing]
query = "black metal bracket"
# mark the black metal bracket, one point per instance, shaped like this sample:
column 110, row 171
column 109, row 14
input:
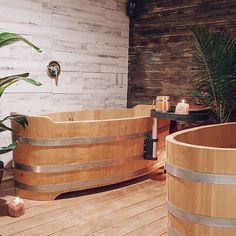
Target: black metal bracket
column 148, row 148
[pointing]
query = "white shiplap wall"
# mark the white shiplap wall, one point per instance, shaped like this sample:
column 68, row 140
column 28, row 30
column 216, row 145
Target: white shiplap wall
column 89, row 38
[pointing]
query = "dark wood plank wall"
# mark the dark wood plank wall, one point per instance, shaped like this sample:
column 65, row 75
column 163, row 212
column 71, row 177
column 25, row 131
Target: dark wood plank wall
column 160, row 44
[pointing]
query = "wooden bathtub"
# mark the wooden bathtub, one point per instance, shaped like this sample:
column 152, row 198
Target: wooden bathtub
column 72, row 151
column 201, row 167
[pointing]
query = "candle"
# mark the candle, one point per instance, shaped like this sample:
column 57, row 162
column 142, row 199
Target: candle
column 182, row 108
column 16, row 207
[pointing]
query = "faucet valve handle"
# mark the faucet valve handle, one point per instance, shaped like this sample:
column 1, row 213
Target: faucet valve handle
column 54, row 70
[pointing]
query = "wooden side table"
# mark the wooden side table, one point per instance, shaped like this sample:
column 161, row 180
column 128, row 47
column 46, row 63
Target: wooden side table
column 196, row 113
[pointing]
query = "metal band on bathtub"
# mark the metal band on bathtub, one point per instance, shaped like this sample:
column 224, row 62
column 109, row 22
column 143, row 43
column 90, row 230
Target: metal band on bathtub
column 172, row 231
column 77, row 185
column 75, row 166
column 200, row 219
column 78, row 140
column 201, row 177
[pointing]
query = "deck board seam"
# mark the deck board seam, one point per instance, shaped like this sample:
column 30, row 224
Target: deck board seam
column 146, row 225
column 93, row 218
column 162, row 204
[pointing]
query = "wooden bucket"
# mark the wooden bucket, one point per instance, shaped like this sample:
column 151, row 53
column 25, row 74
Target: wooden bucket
column 201, row 167
column 72, row 151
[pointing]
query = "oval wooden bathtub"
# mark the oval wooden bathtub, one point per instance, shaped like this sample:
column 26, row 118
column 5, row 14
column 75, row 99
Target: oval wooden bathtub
column 201, row 166
column 72, row 151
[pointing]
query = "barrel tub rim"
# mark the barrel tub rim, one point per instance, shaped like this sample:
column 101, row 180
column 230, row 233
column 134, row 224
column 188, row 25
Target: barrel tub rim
column 186, row 210
column 171, row 138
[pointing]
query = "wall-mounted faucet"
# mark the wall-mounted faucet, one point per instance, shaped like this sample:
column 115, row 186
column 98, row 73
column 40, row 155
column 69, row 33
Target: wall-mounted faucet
column 53, row 70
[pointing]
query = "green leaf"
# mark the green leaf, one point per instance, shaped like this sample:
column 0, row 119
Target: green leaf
column 7, row 38
column 20, row 119
column 8, row 148
column 9, row 80
column 5, row 128
column 213, row 70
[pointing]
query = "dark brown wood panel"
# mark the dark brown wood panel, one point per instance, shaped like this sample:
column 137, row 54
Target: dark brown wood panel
column 160, row 44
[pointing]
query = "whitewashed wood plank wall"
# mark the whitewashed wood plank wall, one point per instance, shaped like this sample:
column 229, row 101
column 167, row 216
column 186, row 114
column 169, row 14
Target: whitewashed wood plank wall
column 89, row 38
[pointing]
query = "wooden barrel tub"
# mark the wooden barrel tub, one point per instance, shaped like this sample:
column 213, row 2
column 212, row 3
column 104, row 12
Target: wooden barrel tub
column 72, row 151
column 201, row 167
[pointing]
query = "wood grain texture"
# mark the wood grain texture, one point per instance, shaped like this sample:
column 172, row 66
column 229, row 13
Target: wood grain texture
column 97, row 164
column 124, row 206
column 88, row 38
column 206, row 150
column 160, row 51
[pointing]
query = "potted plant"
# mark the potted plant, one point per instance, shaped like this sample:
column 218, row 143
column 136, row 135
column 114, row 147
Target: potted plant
column 214, row 60
column 7, row 38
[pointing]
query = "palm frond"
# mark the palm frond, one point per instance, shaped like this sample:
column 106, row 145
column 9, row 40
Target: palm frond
column 214, row 59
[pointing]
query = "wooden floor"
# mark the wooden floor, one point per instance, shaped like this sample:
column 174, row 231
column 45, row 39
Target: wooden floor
column 136, row 207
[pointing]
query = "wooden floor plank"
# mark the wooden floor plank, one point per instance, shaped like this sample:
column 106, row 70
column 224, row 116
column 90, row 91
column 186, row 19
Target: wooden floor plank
column 132, row 223
column 104, row 196
column 112, row 218
column 157, row 227
column 97, row 210
column 93, row 212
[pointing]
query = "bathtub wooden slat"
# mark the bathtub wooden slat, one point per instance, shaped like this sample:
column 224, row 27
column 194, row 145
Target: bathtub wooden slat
column 77, row 153
column 50, row 194
column 46, row 142
column 85, row 174
column 75, row 166
column 114, row 154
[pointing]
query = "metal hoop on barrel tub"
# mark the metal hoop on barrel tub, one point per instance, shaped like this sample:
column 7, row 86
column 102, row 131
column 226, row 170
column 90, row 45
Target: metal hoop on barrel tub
column 201, row 167
column 72, row 151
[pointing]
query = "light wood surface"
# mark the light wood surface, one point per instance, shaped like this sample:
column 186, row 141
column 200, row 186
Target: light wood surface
column 204, row 150
column 97, row 164
column 137, row 207
column 90, row 40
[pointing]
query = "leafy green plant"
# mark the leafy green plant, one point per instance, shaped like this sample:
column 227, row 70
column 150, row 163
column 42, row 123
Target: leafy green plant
column 214, row 60
column 7, row 38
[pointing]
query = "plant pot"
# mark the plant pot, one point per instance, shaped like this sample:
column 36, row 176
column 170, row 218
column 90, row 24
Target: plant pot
column 1, row 171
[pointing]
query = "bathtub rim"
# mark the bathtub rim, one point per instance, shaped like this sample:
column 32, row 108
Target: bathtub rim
column 171, row 138
column 76, row 121
column 85, row 121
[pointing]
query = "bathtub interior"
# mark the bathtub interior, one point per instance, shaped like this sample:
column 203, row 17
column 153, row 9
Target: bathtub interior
column 218, row 136
column 105, row 114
